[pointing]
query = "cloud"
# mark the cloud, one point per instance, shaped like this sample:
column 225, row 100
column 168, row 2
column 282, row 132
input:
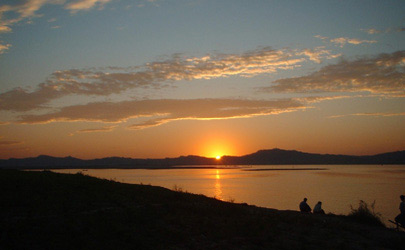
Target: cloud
column 318, row 54
column 85, row 5
column 342, row 41
column 27, row 9
column 114, row 80
column 22, row 10
column 154, row 2
column 370, row 114
column 10, row 143
column 247, row 64
column 94, row 130
column 322, row 37
column 373, row 31
column 162, row 111
column 316, row 99
column 383, row 74
column 20, row 100
column 4, row 48
column 10, row 146
column 4, row 29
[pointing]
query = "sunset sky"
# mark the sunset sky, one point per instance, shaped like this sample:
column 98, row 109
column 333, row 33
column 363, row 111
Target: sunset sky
column 164, row 78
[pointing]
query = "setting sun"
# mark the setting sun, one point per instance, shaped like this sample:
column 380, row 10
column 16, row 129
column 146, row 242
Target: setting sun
column 218, row 144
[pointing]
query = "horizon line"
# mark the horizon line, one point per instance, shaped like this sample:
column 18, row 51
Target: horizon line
column 191, row 155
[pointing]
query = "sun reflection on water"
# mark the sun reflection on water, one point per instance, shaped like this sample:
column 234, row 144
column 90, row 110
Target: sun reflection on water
column 218, row 189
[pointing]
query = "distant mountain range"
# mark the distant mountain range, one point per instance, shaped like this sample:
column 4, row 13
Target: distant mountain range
column 261, row 157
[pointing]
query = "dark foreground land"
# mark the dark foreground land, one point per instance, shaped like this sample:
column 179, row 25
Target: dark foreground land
column 45, row 210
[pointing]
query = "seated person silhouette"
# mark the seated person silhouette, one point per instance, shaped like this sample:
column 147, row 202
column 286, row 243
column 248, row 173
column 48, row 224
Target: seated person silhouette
column 304, row 207
column 318, row 208
column 401, row 217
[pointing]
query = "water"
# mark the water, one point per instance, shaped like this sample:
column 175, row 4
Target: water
column 280, row 187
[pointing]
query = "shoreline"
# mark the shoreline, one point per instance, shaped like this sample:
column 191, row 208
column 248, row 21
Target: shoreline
column 284, row 169
column 176, row 168
column 46, row 208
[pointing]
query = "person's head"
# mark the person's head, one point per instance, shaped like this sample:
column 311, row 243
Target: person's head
column 305, row 199
column 402, row 197
column 320, row 202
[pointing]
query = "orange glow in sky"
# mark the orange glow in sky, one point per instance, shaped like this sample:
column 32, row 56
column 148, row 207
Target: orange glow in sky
column 209, row 93
column 217, row 146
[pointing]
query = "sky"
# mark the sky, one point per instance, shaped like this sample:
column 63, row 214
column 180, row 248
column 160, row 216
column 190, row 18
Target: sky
column 165, row 78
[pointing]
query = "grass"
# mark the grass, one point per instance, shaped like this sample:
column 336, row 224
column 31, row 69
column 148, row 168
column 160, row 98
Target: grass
column 178, row 189
column 46, row 210
column 366, row 214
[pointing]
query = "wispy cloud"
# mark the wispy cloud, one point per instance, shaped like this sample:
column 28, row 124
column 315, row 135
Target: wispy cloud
column 22, row 10
column 154, row 2
column 383, row 74
column 373, row 31
column 318, row 54
column 247, row 64
column 161, row 111
column 25, row 10
column 315, row 99
column 79, row 5
column 4, row 28
column 342, row 41
column 4, row 48
column 370, row 114
column 94, row 130
column 7, row 147
column 10, row 143
column 113, row 80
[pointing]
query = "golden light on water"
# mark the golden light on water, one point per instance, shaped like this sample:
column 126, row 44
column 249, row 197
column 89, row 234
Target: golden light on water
column 217, row 176
column 218, row 188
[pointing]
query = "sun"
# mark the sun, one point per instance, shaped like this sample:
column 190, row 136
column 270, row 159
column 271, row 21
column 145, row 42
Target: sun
column 218, row 157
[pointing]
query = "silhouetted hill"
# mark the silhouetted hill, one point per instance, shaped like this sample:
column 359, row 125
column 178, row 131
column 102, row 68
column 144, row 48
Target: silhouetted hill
column 261, row 157
column 44, row 161
column 46, row 210
column 293, row 157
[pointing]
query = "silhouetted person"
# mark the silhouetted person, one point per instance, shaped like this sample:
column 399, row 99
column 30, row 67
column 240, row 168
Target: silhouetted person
column 304, row 207
column 401, row 217
column 318, row 208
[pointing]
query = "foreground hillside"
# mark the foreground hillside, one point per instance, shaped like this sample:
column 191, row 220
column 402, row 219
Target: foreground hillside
column 45, row 210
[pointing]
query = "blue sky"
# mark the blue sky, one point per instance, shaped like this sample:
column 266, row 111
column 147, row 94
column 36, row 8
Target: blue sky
column 59, row 58
column 123, row 34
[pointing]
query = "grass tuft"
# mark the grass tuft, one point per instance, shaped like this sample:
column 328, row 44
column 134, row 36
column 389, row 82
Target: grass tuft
column 178, row 189
column 366, row 214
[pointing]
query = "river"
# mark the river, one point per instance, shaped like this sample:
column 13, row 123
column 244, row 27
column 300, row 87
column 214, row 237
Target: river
column 281, row 187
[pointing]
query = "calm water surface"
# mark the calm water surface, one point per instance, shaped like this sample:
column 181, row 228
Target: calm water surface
column 337, row 186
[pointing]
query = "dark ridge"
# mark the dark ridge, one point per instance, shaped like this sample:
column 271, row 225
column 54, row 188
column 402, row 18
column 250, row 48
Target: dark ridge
column 262, row 157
